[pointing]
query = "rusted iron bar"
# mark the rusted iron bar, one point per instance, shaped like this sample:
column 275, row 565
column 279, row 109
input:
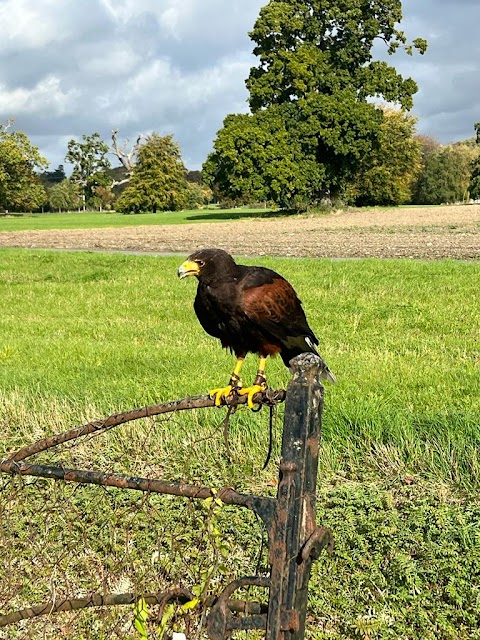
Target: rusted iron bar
column 261, row 505
column 118, row 599
column 267, row 397
column 95, row 600
column 294, row 522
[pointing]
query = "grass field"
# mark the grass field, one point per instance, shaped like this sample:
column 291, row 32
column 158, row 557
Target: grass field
column 97, row 220
column 116, row 331
column 84, row 335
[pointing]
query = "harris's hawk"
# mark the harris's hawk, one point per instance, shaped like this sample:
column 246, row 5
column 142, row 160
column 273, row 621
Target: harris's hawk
column 250, row 310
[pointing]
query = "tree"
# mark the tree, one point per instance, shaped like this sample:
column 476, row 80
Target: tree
column 194, row 177
column 315, row 65
column 388, row 173
column 103, row 198
column 65, row 196
column 198, row 196
column 428, row 145
column 445, row 176
column 256, row 159
column 322, row 46
column 158, row 180
column 127, row 156
column 89, row 164
column 20, row 187
column 474, row 183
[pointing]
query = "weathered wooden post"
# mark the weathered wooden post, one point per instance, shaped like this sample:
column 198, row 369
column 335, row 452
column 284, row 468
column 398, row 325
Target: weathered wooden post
column 295, row 538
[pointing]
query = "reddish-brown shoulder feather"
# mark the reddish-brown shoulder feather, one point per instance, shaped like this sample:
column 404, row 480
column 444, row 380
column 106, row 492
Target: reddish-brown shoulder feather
column 276, row 307
column 276, row 302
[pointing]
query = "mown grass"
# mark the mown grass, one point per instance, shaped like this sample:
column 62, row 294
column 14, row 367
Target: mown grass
column 97, row 220
column 402, row 338
column 84, row 335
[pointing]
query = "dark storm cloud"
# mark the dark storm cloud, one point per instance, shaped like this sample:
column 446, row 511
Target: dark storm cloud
column 448, row 75
column 178, row 66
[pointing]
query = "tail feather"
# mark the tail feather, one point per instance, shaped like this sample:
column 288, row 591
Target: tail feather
column 327, row 374
column 307, row 346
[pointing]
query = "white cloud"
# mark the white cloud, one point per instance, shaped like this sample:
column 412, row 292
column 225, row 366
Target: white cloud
column 120, row 10
column 47, row 96
column 175, row 16
column 167, row 85
column 28, row 24
column 111, row 59
column 70, row 67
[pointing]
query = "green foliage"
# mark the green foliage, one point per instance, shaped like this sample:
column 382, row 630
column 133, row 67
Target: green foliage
column 208, row 567
column 428, row 146
column 140, row 612
column 65, row 196
column 406, row 564
column 325, row 47
column 256, row 159
column 90, row 163
column 158, row 181
column 445, row 175
column 309, row 101
column 49, row 178
column 103, row 197
column 474, row 185
column 20, row 187
column 388, row 173
column 198, row 196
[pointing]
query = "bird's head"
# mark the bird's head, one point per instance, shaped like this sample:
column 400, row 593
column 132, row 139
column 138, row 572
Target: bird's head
column 207, row 264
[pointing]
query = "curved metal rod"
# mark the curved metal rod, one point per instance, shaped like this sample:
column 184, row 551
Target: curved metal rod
column 267, row 397
column 96, row 600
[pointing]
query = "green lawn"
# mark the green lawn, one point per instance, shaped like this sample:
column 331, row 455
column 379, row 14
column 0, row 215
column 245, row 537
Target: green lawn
column 402, row 338
column 95, row 219
column 83, row 335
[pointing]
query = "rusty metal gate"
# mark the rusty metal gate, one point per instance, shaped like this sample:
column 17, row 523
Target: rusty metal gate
column 294, row 539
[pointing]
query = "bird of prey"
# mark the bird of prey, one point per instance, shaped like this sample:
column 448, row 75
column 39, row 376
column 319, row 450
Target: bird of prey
column 250, row 310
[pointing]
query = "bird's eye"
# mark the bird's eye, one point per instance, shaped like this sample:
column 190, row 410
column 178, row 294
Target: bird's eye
column 200, row 263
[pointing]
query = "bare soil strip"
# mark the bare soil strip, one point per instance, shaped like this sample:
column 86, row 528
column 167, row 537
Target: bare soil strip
column 424, row 233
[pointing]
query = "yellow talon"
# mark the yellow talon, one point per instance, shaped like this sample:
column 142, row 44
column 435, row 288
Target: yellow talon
column 250, row 392
column 220, row 393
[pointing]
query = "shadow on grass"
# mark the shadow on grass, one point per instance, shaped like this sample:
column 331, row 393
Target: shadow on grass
column 239, row 214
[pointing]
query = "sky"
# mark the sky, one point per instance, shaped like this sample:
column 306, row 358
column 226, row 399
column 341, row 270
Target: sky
column 74, row 67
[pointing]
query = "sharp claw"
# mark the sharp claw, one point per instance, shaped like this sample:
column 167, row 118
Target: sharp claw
column 250, row 392
column 220, row 394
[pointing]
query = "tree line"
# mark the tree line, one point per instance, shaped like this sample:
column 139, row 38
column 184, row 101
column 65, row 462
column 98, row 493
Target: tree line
column 156, row 179
column 315, row 132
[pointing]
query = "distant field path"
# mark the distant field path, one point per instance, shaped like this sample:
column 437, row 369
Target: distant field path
column 427, row 233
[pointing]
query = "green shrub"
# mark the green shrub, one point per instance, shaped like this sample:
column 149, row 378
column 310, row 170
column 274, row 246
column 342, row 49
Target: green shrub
column 406, row 565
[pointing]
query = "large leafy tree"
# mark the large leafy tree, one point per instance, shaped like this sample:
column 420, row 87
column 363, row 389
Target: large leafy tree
column 388, row 173
column 316, row 65
column 256, row 159
column 90, row 164
column 20, row 187
column 309, row 47
column 158, row 180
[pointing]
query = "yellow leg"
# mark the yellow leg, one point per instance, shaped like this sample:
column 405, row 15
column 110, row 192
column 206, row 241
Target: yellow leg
column 235, row 383
column 259, row 384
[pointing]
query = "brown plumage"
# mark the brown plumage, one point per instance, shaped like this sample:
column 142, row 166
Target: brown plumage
column 250, row 310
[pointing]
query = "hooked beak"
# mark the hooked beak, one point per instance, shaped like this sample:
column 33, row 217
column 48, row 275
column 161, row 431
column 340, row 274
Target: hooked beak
column 188, row 268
